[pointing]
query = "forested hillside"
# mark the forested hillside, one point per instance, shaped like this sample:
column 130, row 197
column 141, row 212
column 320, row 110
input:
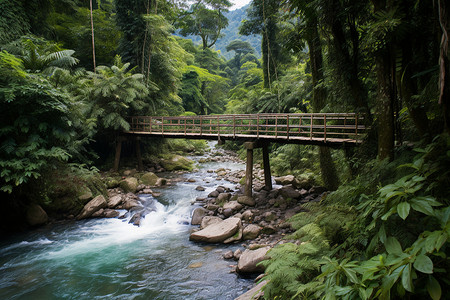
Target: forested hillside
column 73, row 72
column 231, row 33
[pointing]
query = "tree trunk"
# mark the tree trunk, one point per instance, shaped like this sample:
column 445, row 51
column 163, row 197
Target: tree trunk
column 385, row 111
column 444, row 63
column 93, row 41
column 327, row 167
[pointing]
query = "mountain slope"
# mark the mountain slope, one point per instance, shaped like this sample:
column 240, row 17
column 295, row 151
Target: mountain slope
column 231, row 33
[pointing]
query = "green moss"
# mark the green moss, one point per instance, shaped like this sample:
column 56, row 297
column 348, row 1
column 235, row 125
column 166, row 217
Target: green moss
column 177, row 162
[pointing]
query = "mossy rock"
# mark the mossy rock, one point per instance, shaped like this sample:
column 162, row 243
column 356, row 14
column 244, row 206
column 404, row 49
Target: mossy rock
column 112, row 183
column 178, row 162
column 149, row 178
column 129, row 185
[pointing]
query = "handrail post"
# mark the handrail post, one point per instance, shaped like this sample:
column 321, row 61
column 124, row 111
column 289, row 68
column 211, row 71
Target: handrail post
column 276, row 126
column 325, row 128
column 218, row 127
column 356, row 124
column 162, row 125
column 311, row 128
column 287, row 126
column 201, row 125
column 151, row 124
column 257, row 126
column 234, row 126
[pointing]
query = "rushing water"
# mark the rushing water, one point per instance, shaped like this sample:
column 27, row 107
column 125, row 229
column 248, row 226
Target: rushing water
column 111, row 259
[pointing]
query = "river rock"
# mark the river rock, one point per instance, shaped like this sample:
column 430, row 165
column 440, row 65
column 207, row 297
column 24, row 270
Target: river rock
column 237, row 254
column 198, row 215
column 221, row 189
column 255, row 293
column 149, row 178
column 228, row 254
column 85, row 194
column 130, row 203
column 249, row 260
column 247, row 215
column 251, row 232
column 129, row 172
column 161, row 182
column 129, row 185
column 233, row 205
column 36, row 215
column 285, row 180
column 92, row 206
column 136, row 219
column 218, row 232
column 317, row 190
column 110, row 213
column 236, row 237
column 227, row 212
column 223, row 197
column 288, row 191
column 246, row 200
column 114, row 201
column 212, row 207
column 209, row 220
column 200, row 188
column 213, row 194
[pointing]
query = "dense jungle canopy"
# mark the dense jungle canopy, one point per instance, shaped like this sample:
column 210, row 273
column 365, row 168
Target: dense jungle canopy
column 73, row 71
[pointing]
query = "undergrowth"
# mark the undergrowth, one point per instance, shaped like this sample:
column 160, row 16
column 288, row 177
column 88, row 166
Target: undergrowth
column 383, row 235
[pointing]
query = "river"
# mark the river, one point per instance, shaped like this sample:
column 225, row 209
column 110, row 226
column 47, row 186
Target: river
column 111, row 259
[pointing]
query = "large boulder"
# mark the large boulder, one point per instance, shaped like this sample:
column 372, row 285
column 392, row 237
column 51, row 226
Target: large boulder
column 249, row 260
column 255, row 293
column 233, row 205
column 285, row 180
column 177, row 162
column 251, row 232
column 114, row 201
column 129, row 203
column 36, row 215
column 129, row 185
column 218, row 232
column 223, row 197
column 198, row 215
column 85, row 194
column 288, row 191
column 209, row 220
column 149, row 178
column 246, row 200
column 92, row 206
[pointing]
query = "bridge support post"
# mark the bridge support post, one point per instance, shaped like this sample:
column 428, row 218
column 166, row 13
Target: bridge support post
column 249, row 169
column 119, row 141
column 266, row 163
column 138, row 154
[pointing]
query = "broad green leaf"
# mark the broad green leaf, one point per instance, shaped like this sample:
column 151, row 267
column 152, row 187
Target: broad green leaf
column 392, row 211
column 423, row 264
column 393, row 246
column 434, row 288
column 422, row 206
column 403, row 210
column 406, row 278
column 441, row 240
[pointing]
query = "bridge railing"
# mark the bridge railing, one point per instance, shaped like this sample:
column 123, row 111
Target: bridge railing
column 317, row 126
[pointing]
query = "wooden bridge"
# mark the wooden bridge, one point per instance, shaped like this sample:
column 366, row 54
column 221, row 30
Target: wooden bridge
column 256, row 130
column 319, row 129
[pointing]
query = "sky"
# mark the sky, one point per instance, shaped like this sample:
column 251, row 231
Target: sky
column 239, row 3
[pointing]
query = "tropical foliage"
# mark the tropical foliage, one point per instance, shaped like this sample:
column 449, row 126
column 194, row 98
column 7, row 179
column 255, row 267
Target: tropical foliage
column 382, row 233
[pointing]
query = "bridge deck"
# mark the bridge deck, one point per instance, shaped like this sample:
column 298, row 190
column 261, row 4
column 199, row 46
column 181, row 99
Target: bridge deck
column 330, row 129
